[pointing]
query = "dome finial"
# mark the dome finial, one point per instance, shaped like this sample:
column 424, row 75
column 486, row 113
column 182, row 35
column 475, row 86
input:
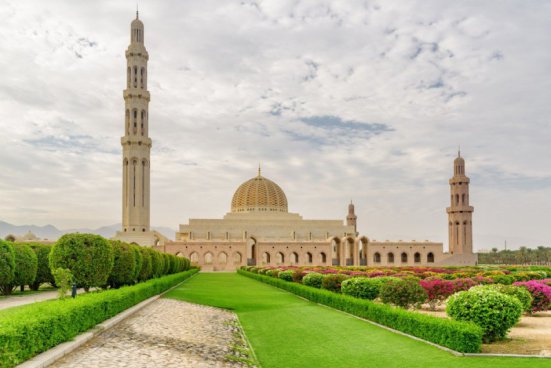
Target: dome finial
column 137, row 12
column 259, row 170
column 459, row 151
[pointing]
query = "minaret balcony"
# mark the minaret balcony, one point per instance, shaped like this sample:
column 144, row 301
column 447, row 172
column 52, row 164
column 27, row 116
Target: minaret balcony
column 137, row 93
column 458, row 209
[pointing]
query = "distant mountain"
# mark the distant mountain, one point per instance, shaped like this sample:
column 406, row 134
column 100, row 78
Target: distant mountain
column 51, row 232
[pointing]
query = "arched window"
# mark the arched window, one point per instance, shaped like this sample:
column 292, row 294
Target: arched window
column 141, row 76
column 457, row 199
column 135, row 120
column 266, row 258
column 222, row 258
column 390, row 257
column 144, row 164
column 127, row 121
column 128, row 78
column 309, row 257
column 135, row 77
column 323, row 257
column 404, row 257
column 377, row 257
column 417, row 257
column 142, row 122
column 134, row 164
column 194, row 257
column 463, row 198
column 208, row 258
column 280, row 258
column 430, row 258
column 237, row 258
column 294, row 258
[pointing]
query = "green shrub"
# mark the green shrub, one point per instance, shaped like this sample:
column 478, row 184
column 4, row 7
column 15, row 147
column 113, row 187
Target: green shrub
column 64, row 281
column 519, row 292
column 313, row 279
column 286, row 275
column 26, row 264
column 167, row 258
column 43, row 272
column 31, row 329
column 146, row 271
column 298, row 275
column 88, row 256
column 124, row 265
column 362, row 287
column 464, row 337
column 138, row 256
column 7, row 262
column 273, row 273
column 332, row 282
column 403, row 293
column 157, row 262
column 502, row 279
column 493, row 311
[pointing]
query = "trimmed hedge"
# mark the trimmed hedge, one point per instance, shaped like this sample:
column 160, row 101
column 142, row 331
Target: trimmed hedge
column 26, row 264
column 31, row 329
column 124, row 266
column 464, row 337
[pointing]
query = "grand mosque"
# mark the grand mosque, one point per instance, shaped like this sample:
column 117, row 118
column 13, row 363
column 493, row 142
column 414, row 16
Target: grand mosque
column 259, row 229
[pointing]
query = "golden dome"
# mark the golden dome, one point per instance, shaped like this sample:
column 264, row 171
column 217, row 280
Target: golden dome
column 259, row 195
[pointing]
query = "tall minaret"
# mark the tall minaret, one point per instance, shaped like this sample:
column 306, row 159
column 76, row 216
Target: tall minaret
column 351, row 217
column 136, row 144
column 460, row 213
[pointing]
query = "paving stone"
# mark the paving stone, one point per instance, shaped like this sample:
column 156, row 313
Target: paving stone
column 166, row 333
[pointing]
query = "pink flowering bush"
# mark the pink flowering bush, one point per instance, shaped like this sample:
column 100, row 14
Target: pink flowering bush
column 437, row 291
column 540, row 292
column 462, row 284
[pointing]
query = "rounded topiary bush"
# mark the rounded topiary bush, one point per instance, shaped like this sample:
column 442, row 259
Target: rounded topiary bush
column 403, row 293
column 493, row 311
column 24, row 271
column 519, row 292
column 333, row 282
column 286, row 275
column 26, row 264
column 138, row 257
column 157, row 262
column 362, row 287
column 7, row 263
column 124, row 265
column 313, row 279
column 503, row 279
column 89, row 257
column 43, row 272
column 146, row 271
column 273, row 273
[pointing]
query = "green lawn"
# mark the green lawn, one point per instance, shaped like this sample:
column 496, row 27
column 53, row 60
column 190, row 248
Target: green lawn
column 286, row 331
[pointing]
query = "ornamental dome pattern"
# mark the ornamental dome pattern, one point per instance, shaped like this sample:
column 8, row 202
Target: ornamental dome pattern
column 259, row 194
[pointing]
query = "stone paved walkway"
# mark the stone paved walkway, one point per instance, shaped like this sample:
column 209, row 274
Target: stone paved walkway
column 17, row 300
column 166, row 333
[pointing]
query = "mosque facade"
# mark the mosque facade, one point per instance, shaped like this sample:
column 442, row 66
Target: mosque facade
column 259, row 229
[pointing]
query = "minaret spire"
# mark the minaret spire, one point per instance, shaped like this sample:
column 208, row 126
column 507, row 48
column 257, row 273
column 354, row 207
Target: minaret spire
column 460, row 212
column 136, row 144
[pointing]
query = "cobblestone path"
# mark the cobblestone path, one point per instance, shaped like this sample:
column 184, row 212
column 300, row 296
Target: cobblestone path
column 166, row 333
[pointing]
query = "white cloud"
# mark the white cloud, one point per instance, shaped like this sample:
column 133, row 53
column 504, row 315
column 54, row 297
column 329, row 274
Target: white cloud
column 232, row 84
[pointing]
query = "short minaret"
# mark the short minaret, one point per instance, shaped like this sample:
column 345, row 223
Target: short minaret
column 351, row 218
column 136, row 144
column 460, row 212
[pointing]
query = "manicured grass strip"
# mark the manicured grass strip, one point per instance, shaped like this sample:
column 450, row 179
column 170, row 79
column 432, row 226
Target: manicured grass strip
column 287, row 331
column 459, row 336
column 33, row 328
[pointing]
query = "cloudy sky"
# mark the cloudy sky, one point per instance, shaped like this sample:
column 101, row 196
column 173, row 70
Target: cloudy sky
column 338, row 100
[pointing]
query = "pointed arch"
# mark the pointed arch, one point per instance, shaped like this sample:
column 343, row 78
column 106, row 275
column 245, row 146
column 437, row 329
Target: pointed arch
column 222, row 258
column 430, row 257
column 208, row 258
column 293, row 258
column 377, row 257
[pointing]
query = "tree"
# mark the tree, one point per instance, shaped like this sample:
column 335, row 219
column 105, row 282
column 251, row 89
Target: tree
column 7, row 262
column 26, row 264
column 124, row 265
column 43, row 273
column 146, row 270
column 89, row 257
